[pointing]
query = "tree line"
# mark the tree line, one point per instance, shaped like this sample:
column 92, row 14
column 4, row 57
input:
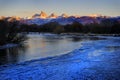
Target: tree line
column 14, row 32
column 10, row 33
column 104, row 27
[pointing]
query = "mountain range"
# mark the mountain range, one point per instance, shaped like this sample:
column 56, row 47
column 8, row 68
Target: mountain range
column 63, row 19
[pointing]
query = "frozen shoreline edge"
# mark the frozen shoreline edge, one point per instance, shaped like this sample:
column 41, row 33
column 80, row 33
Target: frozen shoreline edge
column 41, row 59
column 36, row 60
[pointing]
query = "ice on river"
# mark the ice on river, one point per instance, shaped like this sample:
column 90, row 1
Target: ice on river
column 95, row 60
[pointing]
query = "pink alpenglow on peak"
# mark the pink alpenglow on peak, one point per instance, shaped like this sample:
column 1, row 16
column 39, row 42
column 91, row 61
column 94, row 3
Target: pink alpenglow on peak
column 63, row 19
column 41, row 15
column 64, row 15
column 53, row 15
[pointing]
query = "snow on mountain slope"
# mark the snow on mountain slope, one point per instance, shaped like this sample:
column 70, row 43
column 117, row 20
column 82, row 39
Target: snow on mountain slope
column 64, row 19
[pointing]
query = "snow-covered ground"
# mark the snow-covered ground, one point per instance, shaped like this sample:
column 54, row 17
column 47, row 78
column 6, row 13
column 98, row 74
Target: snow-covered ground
column 8, row 46
column 95, row 60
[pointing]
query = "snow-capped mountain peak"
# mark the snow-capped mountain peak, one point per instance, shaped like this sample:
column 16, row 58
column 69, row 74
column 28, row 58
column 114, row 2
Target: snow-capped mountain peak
column 64, row 15
column 43, row 15
column 53, row 15
column 36, row 16
column 64, row 19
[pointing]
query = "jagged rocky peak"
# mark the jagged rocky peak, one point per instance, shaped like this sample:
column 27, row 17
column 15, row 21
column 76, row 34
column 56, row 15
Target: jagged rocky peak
column 43, row 15
column 53, row 15
column 36, row 16
column 64, row 15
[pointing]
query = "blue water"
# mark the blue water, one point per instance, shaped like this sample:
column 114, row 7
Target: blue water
column 97, row 58
column 41, row 46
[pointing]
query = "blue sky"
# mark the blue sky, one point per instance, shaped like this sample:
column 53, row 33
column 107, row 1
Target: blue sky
column 25, row 8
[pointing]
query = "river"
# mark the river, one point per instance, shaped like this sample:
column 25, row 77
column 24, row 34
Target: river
column 42, row 46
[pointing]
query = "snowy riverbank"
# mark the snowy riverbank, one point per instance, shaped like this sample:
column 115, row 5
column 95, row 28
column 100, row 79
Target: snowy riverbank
column 8, row 46
column 95, row 60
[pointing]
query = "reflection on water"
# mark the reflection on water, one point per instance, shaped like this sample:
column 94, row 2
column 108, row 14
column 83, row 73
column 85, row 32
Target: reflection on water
column 12, row 55
column 41, row 46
